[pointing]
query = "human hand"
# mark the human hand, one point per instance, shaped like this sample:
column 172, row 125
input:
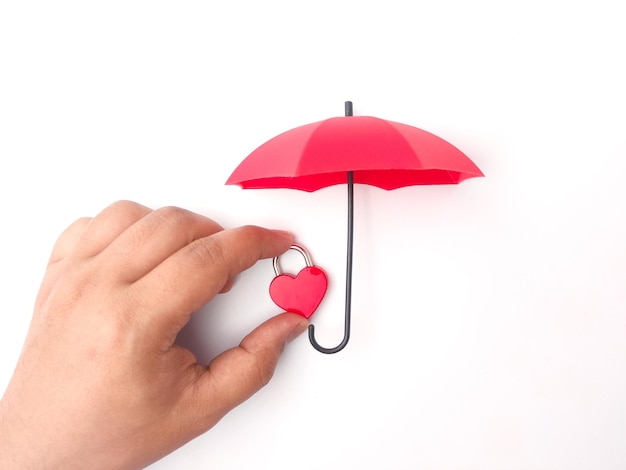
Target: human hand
column 100, row 382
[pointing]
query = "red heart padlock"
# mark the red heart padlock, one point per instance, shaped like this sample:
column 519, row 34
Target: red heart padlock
column 302, row 293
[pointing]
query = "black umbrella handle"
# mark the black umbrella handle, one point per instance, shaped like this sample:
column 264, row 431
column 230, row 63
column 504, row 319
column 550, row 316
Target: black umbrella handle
column 346, row 334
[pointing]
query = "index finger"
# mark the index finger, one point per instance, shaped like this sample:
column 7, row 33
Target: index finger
column 193, row 275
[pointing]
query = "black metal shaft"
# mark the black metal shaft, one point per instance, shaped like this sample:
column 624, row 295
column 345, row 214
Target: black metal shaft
column 346, row 334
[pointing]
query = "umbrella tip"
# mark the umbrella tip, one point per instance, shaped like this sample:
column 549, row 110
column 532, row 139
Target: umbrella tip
column 348, row 108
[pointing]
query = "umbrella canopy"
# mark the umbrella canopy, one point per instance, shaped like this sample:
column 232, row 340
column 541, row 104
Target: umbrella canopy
column 352, row 149
column 381, row 153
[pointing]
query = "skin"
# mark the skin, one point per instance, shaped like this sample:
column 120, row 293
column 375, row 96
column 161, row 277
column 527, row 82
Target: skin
column 100, row 382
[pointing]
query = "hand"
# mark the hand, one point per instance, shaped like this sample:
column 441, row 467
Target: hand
column 100, row 382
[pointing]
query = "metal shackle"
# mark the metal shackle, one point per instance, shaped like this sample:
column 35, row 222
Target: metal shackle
column 299, row 249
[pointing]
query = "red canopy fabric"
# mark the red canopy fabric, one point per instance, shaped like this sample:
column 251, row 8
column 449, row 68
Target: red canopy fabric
column 381, row 153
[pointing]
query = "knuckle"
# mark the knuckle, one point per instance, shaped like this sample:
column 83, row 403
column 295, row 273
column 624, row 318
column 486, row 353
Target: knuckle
column 252, row 233
column 173, row 214
column 66, row 242
column 253, row 238
column 207, row 252
column 123, row 205
column 81, row 222
column 264, row 370
column 261, row 359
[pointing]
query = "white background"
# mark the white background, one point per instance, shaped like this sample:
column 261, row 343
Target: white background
column 489, row 317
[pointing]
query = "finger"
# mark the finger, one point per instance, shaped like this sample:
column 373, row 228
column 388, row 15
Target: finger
column 154, row 238
column 189, row 278
column 107, row 226
column 238, row 373
column 68, row 239
column 228, row 286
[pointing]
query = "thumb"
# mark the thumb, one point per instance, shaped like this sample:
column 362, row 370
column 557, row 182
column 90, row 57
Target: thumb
column 235, row 375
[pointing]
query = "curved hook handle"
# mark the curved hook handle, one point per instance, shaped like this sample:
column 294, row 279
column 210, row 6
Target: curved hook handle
column 324, row 350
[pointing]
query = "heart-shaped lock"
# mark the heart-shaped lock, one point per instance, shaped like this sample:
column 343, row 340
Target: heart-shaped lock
column 302, row 293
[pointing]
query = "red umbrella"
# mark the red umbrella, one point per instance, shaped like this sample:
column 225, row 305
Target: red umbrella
column 352, row 149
